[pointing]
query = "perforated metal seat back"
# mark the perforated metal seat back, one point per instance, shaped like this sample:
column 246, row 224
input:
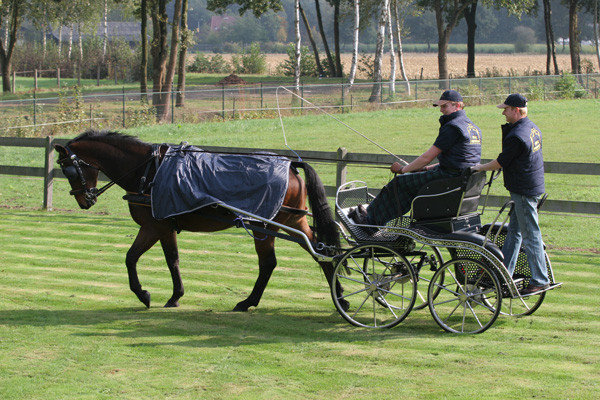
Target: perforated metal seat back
column 447, row 198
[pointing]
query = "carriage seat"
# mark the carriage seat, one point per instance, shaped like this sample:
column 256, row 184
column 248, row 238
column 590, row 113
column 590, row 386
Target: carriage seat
column 448, row 205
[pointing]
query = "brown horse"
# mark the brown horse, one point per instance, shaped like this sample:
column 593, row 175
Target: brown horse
column 131, row 164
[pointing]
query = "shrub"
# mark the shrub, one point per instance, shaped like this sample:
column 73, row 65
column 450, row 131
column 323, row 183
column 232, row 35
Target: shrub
column 215, row 64
column 308, row 65
column 366, row 65
column 251, row 61
column 568, row 88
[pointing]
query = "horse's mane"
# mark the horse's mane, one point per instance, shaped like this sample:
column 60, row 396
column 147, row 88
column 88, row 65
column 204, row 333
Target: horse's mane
column 107, row 137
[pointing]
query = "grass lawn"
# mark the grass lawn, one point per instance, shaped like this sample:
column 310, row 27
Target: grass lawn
column 71, row 329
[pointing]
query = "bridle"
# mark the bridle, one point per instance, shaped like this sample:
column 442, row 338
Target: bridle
column 74, row 172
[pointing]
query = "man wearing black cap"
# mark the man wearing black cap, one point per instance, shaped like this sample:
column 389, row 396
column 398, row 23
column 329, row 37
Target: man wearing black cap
column 457, row 147
column 523, row 165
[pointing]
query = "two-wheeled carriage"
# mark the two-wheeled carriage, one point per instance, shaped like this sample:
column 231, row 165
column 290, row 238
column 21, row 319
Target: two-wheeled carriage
column 439, row 256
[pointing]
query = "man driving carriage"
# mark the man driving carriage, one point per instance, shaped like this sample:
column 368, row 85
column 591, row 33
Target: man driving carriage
column 457, row 147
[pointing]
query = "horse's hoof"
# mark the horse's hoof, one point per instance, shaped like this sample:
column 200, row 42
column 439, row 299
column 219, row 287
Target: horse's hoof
column 144, row 297
column 240, row 307
column 172, row 303
column 345, row 305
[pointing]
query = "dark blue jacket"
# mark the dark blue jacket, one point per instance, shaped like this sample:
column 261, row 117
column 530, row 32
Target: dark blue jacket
column 521, row 158
column 460, row 141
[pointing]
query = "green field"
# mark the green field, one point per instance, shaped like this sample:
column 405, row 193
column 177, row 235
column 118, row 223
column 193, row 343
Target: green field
column 71, row 329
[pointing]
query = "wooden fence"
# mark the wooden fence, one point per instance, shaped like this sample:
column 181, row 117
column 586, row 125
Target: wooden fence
column 341, row 158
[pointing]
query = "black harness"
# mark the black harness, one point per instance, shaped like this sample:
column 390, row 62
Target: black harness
column 74, row 173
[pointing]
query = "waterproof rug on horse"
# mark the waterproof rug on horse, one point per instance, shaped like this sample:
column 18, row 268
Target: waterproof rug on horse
column 189, row 179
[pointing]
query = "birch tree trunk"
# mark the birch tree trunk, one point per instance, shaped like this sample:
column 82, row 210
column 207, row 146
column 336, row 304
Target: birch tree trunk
column 44, row 42
column 80, row 57
column 297, row 31
column 352, row 74
column 398, row 30
column 60, row 29
column 392, row 53
column 70, row 42
column 376, row 90
column 105, row 33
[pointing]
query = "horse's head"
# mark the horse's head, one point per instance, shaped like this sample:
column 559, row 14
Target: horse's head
column 82, row 176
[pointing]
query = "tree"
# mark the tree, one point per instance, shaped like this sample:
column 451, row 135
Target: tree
column 383, row 17
column 447, row 15
column 550, row 48
column 595, row 9
column 355, row 42
column 182, row 55
column 574, row 41
column 400, row 12
column 311, row 39
column 11, row 13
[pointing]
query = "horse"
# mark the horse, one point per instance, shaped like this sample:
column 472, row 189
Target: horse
column 131, row 164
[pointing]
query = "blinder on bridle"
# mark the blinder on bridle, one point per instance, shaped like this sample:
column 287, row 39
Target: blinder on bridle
column 74, row 173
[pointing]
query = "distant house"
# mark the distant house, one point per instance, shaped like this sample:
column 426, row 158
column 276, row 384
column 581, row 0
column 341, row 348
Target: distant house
column 217, row 22
column 127, row 31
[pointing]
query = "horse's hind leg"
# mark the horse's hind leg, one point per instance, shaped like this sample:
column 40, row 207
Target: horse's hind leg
column 169, row 246
column 146, row 238
column 265, row 248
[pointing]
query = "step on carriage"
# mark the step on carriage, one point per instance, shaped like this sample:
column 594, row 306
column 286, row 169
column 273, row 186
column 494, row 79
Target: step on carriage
column 439, row 256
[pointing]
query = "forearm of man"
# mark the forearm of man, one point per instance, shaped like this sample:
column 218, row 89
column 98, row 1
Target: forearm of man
column 491, row 166
column 420, row 162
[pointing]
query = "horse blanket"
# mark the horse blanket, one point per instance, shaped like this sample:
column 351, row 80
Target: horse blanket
column 189, row 179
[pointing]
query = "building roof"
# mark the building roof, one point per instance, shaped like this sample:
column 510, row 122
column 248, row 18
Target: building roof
column 218, row 21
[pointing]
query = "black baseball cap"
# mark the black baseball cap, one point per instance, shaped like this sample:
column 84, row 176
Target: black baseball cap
column 448, row 95
column 514, row 100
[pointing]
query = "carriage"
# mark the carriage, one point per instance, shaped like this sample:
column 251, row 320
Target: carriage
column 440, row 256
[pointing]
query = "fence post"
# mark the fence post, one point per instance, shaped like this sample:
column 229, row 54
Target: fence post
column 123, row 106
column 35, row 79
column 340, row 173
column 261, row 96
column 48, row 173
column 91, row 118
column 223, row 101
column 233, row 114
column 172, row 106
column 14, row 80
column 342, row 97
column 509, row 85
column 416, row 90
column 34, row 110
column 98, row 75
column 58, row 77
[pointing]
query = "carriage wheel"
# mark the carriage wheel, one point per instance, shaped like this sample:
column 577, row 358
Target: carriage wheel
column 379, row 284
column 433, row 262
column 469, row 297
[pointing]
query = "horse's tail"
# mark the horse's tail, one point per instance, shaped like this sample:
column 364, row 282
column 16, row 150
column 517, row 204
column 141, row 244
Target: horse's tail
column 325, row 227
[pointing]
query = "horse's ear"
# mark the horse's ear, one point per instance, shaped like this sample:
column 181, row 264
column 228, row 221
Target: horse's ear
column 61, row 150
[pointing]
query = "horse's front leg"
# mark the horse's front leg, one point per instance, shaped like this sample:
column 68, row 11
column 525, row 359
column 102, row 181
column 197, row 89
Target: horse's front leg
column 146, row 238
column 265, row 249
column 169, row 246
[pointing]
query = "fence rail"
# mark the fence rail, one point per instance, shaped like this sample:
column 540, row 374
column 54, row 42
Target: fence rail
column 341, row 158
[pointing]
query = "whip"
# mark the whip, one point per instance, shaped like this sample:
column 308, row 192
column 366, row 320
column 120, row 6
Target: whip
column 328, row 114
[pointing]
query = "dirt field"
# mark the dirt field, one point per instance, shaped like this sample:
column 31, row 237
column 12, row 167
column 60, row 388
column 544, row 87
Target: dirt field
column 521, row 64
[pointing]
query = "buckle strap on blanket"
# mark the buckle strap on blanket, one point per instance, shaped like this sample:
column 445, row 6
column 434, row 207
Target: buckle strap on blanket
column 156, row 156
